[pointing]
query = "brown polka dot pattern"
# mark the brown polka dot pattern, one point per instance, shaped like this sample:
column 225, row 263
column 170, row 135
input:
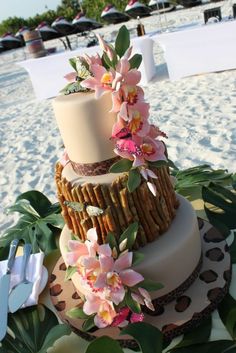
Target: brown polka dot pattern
column 182, row 303
column 215, row 254
column 167, row 317
column 214, row 293
column 60, row 306
column 62, row 267
column 75, row 295
column 52, row 278
column 213, row 236
column 55, row 290
column 208, row 276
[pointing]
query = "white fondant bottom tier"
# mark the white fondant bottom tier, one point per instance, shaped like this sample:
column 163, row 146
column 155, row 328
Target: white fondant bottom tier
column 170, row 259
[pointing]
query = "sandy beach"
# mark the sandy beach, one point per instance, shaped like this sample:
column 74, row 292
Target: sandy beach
column 197, row 113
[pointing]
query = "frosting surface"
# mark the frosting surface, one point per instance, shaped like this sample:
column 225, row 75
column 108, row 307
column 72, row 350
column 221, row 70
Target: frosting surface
column 85, row 125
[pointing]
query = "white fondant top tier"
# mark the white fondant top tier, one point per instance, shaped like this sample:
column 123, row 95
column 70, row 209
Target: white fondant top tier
column 85, row 124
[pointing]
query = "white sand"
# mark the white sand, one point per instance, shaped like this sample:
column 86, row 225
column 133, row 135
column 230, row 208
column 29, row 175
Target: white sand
column 198, row 114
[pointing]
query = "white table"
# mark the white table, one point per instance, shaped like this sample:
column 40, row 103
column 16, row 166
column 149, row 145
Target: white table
column 47, row 73
column 199, row 49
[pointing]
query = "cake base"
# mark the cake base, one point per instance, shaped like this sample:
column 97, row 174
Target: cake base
column 175, row 318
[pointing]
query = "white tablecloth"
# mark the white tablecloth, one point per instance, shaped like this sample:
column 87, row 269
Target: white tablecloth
column 47, row 73
column 199, row 49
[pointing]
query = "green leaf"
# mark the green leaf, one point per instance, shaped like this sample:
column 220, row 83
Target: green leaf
column 53, row 335
column 137, row 258
column 70, row 271
column 23, row 207
column 135, row 61
column 39, row 222
column 232, row 249
column 104, row 345
column 107, row 61
column 199, row 335
column 197, row 176
column 224, row 205
column 72, row 62
column 227, row 312
column 132, row 304
column 33, row 328
column 210, row 347
column 122, row 42
column 150, row 285
column 148, row 337
column 77, row 313
column 172, row 165
column 130, row 233
column 38, row 201
column 88, row 324
column 111, row 240
column 134, row 179
column 123, row 165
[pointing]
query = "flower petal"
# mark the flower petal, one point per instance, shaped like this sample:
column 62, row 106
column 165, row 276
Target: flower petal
column 71, row 258
column 76, row 245
column 118, row 295
column 131, row 277
column 91, row 306
column 123, row 262
column 152, row 188
column 106, row 263
column 104, row 250
column 92, row 235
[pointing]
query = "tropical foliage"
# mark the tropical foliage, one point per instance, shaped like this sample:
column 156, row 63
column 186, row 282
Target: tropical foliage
column 32, row 330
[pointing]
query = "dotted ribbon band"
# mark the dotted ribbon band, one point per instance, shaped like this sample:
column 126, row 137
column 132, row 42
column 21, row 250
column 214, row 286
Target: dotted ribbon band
column 91, row 169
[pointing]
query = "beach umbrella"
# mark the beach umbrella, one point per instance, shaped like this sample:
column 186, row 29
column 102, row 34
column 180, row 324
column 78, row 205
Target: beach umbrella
column 82, row 23
column 9, row 41
column 46, row 31
column 136, row 9
column 111, row 15
column 63, row 26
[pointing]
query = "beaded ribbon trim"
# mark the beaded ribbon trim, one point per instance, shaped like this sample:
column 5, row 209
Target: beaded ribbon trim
column 91, row 169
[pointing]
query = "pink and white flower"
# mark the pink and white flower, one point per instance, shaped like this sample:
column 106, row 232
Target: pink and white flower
column 104, row 309
column 116, row 274
column 101, row 80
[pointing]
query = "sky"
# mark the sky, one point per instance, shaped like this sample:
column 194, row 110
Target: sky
column 25, row 8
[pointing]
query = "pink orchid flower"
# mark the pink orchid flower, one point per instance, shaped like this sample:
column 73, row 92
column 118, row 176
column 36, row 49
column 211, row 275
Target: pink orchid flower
column 132, row 94
column 136, row 116
column 125, row 76
column 127, row 148
column 128, row 94
column 104, row 309
column 101, row 80
column 152, row 150
column 115, row 274
column 80, row 250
